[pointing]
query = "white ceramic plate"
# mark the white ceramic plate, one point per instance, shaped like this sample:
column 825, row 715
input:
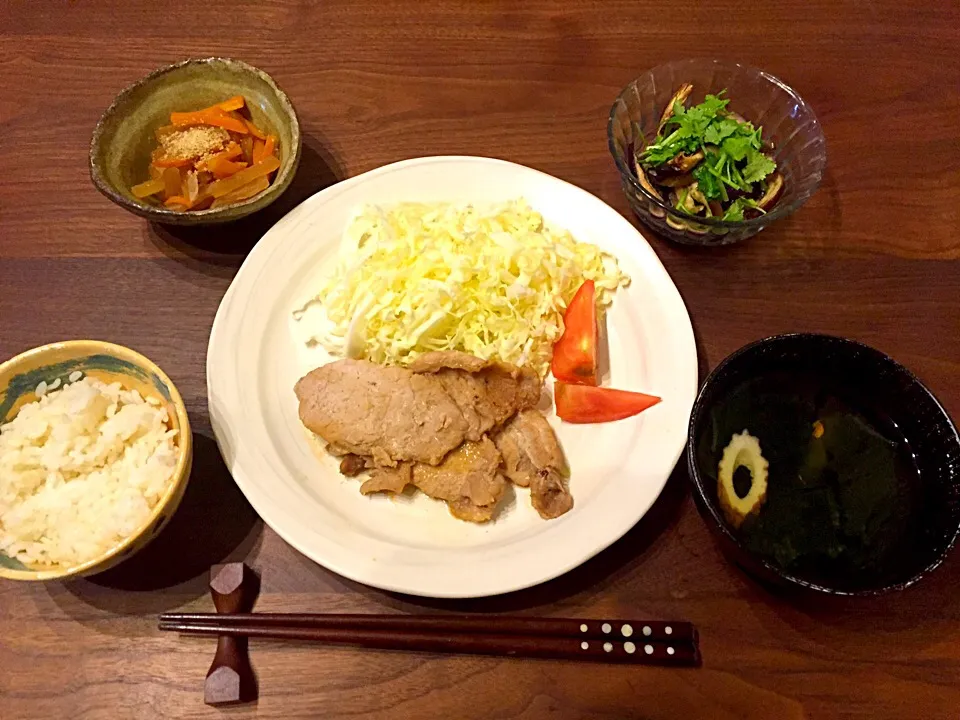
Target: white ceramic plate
column 414, row 545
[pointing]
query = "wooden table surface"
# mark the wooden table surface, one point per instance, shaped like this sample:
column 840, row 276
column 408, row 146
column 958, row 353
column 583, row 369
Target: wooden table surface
column 871, row 256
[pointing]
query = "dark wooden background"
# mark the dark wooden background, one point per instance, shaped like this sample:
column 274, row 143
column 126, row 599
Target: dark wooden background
column 872, row 256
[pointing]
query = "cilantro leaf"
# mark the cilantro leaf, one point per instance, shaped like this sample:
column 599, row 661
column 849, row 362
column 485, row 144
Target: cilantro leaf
column 719, row 130
column 738, row 206
column 710, row 185
column 758, row 167
column 697, row 119
column 658, row 153
column 737, row 147
column 735, row 211
column 686, row 130
column 713, row 104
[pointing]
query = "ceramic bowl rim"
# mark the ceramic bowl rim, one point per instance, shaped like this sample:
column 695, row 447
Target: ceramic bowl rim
column 715, row 517
column 760, row 222
column 233, row 211
column 184, row 451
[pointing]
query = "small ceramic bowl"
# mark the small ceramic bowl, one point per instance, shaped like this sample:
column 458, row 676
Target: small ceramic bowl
column 787, row 121
column 124, row 137
column 872, row 384
column 19, row 378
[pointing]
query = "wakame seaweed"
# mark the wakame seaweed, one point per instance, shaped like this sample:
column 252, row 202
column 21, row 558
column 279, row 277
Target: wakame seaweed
column 839, row 499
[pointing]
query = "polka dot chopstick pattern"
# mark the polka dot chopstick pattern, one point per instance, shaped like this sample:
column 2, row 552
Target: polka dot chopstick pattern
column 640, row 630
column 644, row 642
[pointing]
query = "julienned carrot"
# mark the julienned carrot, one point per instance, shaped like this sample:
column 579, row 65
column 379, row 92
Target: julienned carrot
column 172, row 162
column 215, row 117
column 225, row 168
column 177, row 200
column 228, row 105
column 266, row 148
column 209, row 169
column 234, row 103
column 254, row 130
column 233, row 149
column 226, row 122
column 258, row 149
column 179, row 119
column 264, row 167
column 231, row 152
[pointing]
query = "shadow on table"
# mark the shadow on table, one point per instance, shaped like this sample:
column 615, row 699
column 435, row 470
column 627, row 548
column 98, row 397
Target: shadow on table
column 703, row 363
column 595, row 575
column 218, row 250
column 213, row 524
column 902, row 623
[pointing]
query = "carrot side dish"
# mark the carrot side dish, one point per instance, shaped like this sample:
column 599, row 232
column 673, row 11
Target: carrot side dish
column 209, row 158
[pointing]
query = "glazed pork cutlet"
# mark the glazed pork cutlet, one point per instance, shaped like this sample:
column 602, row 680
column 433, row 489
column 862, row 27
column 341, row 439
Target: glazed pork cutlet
column 389, row 479
column 387, row 413
column 427, row 426
column 532, row 458
column 394, row 414
column 488, row 393
column 469, row 480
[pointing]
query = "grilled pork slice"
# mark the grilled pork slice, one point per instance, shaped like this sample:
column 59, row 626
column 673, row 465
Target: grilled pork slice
column 532, row 458
column 468, row 479
column 389, row 413
column 395, row 414
column 491, row 396
column 452, row 359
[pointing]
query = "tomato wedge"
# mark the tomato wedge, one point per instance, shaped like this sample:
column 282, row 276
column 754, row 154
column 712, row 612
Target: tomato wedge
column 575, row 353
column 585, row 404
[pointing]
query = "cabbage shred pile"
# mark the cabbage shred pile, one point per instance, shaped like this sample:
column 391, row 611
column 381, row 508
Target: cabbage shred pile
column 493, row 282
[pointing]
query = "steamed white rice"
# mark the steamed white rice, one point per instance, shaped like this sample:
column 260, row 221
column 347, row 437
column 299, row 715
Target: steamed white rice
column 80, row 470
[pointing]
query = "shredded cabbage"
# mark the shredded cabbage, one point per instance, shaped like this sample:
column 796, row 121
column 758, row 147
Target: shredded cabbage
column 493, row 282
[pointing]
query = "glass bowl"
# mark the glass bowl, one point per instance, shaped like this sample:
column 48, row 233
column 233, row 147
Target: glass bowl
column 799, row 147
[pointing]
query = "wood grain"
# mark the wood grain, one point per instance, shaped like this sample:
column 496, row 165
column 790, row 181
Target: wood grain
column 871, row 256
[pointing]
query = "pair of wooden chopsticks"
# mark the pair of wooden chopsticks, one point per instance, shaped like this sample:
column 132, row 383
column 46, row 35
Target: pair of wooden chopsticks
column 644, row 642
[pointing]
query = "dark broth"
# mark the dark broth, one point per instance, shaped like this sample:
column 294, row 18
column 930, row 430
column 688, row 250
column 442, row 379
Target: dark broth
column 839, row 508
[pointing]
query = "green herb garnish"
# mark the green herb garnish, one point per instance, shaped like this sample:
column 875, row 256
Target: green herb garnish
column 738, row 206
column 733, row 169
column 688, row 136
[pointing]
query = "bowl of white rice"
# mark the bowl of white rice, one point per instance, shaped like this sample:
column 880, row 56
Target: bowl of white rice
column 95, row 454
